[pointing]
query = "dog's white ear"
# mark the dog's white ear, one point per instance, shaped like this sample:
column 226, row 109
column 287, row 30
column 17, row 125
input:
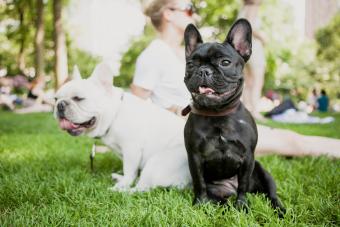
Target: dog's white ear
column 76, row 73
column 103, row 74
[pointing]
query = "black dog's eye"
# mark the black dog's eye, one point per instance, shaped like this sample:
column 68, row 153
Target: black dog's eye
column 190, row 64
column 77, row 99
column 225, row 62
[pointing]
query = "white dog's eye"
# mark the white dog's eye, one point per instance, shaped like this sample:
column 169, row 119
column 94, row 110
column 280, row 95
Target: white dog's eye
column 77, row 99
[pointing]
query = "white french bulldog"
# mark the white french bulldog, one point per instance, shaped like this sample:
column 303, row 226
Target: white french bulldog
column 149, row 139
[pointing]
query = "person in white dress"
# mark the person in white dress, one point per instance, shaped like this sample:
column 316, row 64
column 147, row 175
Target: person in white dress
column 160, row 68
column 159, row 76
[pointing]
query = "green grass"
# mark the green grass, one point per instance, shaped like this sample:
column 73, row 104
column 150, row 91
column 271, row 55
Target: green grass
column 45, row 180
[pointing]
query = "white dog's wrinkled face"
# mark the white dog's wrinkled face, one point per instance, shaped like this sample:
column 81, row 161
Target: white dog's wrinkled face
column 86, row 105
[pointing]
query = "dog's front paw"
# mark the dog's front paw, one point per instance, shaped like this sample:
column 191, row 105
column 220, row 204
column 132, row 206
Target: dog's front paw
column 117, row 177
column 279, row 208
column 123, row 183
column 120, row 188
column 241, row 204
column 200, row 200
column 281, row 212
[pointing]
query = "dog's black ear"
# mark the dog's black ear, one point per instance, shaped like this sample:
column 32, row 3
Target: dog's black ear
column 192, row 38
column 239, row 37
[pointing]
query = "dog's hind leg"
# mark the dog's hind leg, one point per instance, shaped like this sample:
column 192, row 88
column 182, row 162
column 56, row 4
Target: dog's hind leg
column 266, row 185
column 165, row 169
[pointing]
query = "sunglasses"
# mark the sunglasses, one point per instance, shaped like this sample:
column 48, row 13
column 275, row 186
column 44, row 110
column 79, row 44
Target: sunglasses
column 188, row 9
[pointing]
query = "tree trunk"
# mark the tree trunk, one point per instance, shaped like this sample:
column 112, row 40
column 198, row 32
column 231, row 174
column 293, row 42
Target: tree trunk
column 60, row 66
column 39, row 41
column 21, row 57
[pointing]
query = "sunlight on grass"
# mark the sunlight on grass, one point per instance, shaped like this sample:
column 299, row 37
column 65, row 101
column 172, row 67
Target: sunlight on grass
column 45, row 179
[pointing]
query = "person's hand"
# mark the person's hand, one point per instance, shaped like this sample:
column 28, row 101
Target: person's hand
column 173, row 109
column 176, row 110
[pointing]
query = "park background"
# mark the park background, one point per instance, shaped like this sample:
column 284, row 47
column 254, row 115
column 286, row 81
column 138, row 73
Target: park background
column 47, row 38
column 45, row 175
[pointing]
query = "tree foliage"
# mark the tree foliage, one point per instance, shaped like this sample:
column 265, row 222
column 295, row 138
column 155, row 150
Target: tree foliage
column 16, row 36
column 291, row 64
column 328, row 49
column 17, row 31
column 217, row 14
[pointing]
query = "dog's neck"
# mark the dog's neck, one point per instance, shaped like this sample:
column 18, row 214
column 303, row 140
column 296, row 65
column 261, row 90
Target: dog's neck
column 117, row 99
column 210, row 113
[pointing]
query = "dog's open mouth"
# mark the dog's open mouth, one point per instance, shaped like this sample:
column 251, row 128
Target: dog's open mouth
column 76, row 129
column 207, row 91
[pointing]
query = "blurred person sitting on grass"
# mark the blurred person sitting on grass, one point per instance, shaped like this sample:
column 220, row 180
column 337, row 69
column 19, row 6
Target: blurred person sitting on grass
column 38, row 99
column 323, row 101
column 10, row 89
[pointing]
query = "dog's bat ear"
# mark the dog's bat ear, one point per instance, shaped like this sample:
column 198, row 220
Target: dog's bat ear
column 103, row 74
column 76, row 73
column 192, row 38
column 239, row 37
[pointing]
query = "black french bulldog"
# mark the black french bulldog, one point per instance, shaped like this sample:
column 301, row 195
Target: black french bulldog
column 220, row 134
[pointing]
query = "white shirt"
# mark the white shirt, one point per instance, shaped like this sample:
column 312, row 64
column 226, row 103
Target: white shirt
column 159, row 70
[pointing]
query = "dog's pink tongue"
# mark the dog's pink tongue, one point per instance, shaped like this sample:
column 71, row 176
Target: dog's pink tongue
column 66, row 124
column 205, row 90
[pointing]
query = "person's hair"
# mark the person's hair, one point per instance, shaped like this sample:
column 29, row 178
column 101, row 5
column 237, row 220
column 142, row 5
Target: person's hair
column 252, row 2
column 154, row 9
column 323, row 92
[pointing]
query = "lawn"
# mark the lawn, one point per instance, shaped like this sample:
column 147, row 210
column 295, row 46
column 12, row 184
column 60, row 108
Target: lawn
column 45, row 180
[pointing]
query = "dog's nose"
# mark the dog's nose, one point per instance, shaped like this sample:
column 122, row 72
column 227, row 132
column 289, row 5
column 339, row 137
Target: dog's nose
column 61, row 106
column 205, row 72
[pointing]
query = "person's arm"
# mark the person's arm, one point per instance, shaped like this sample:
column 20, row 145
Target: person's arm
column 140, row 92
column 145, row 94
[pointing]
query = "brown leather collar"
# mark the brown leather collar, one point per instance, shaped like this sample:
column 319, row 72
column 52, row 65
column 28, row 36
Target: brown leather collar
column 230, row 109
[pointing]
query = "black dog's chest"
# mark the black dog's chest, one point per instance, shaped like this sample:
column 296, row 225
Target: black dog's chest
column 218, row 146
column 221, row 154
column 221, row 157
